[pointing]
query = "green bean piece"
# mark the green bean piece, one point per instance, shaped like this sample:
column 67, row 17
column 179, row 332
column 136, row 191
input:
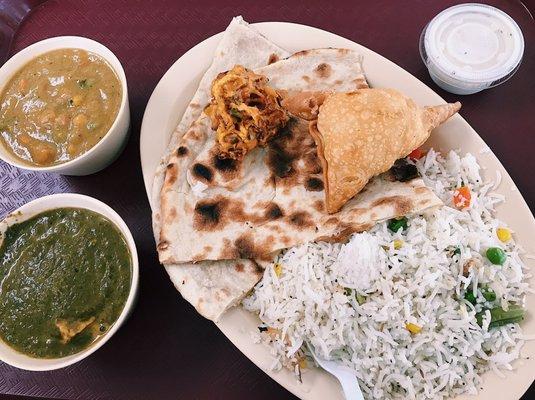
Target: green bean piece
column 396, row 224
column 500, row 317
column 359, row 297
column 469, row 295
column 488, row 294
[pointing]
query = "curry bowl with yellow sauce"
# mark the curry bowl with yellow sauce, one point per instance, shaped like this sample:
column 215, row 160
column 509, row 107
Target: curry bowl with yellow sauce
column 63, row 107
column 68, row 280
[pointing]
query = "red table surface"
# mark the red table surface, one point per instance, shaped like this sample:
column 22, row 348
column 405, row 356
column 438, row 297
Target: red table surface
column 166, row 350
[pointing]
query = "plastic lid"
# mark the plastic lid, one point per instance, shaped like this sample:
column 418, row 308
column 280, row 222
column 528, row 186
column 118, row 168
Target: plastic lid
column 474, row 43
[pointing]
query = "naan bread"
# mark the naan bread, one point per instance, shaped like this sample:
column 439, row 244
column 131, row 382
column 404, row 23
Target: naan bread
column 213, row 287
column 361, row 134
column 220, row 209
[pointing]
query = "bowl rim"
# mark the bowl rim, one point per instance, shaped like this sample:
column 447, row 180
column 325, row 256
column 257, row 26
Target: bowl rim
column 72, row 200
column 20, row 59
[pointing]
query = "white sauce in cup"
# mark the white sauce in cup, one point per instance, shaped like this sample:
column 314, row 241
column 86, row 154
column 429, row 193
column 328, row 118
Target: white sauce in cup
column 471, row 47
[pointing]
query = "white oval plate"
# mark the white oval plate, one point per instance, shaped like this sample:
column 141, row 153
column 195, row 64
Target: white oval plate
column 171, row 97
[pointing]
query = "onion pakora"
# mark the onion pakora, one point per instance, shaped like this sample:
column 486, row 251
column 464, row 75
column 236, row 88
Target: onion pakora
column 245, row 112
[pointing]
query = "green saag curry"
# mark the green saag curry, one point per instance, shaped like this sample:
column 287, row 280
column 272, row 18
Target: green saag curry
column 65, row 275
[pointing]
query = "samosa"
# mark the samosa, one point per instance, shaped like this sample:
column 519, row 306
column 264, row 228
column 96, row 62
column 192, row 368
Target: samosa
column 361, row 134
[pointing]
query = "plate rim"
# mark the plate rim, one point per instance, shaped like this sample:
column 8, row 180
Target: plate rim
column 262, row 27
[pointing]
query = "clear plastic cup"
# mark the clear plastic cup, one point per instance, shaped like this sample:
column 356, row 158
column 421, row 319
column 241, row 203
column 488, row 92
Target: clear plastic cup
column 471, row 47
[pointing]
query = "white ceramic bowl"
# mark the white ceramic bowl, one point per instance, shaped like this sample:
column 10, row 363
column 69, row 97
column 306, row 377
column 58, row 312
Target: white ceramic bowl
column 108, row 149
column 19, row 360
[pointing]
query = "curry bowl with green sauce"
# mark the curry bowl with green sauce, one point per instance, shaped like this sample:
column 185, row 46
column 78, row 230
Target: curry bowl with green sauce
column 60, row 99
column 68, row 277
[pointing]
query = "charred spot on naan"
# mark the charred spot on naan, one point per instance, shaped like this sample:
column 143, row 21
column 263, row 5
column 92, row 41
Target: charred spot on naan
column 203, row 255
column 301, row 53
column 208, row 214
column 258, row 270
column 275, row 228
column 319, row 206
column 286, row 240
column 239, row 267
column 245, row 246
column 171, row 215
column 273, row 58
column 172, row 174
column 344, row 233
column 300, row 219
column 306, row 78
column 279, row 158
column 312, row 161
column 314, row 184
column 202, row 172
column 227, row 168
column 280, row 162
column 285, row 149
column 227, row 252
column 273, row 212
column 270, row 182
column 401, row 204
column 216, row 213
column 293, row 161
column 225, row 165
column 323, row 70
column 163, row 245
column 198, row 257
column 360, row 83
column 182, row 151
column 194, row 134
